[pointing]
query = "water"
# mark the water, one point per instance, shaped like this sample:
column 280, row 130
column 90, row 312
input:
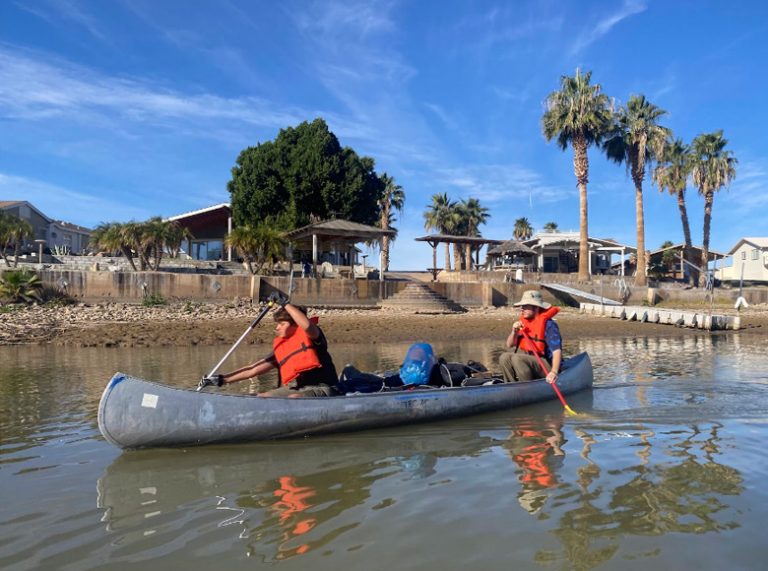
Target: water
column 666, row 468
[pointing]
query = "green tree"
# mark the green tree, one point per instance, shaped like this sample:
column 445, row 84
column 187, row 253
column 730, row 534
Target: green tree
column 523, row 229
column 578, row 115
column 474, row 214
column 304, row 173
column 13, row 231
column 551, row 227
column 392, row 200
column 260, row 246
column 441, row 216
column 636, row 140
column 671, row 174
column 110, row 236
column 713, row 168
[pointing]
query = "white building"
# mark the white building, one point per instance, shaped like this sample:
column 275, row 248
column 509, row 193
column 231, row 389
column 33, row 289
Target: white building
column 748, row 261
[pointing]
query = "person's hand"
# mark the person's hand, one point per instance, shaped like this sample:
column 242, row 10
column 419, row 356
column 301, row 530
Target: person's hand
column 551, row 377
column 276, row 298
column 217, row 380
column 517, row 326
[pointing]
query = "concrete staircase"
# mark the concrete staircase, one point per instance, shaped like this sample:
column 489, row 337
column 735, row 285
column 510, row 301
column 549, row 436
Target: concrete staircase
column 420, row 298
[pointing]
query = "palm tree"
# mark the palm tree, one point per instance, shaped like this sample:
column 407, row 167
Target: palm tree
column 578, row 115
column 713, row 168
column 671, row 175
column 637, row 139
column 440, row 216
column 154, row 233
column 392, row 200
column 259, row 246
column 13, row 230
column 523, row 229
column 175, row 236
column 109, row 236
column 551, row 227
column 474, row 215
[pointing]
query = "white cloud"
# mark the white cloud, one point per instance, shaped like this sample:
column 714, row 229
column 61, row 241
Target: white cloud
column 594, row 32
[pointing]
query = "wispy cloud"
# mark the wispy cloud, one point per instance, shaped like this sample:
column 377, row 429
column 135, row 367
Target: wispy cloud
column 66, row 12
column 594, row 32
column 72, row 206
column 34, row 87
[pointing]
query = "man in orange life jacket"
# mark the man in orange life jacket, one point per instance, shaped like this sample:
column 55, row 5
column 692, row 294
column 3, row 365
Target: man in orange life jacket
column 300, row 354
column 543, row 339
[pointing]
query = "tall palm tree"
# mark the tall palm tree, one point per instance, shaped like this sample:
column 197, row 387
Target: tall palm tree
column 13, row 230
column 523, row 229
column 440, row 216
column 578, row 115
column 714, row 167
column 154, row 233
column 551, row 227
column 392, row 200
column 474, row 215
column 637, row 139
column 671, row 175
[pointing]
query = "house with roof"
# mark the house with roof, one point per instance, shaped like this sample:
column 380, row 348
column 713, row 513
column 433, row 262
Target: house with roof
column 668, row 262
column 558, row 252
column 748, row 261
column 56, row 233
column 207, row 228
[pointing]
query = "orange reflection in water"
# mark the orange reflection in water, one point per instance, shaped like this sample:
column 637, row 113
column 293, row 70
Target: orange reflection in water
column 290, row 508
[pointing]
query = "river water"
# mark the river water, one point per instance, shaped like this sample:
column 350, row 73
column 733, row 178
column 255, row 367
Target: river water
column 665, row 467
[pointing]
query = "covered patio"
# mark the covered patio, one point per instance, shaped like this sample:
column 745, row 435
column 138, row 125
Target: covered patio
column 473, row 241
column 331, row 245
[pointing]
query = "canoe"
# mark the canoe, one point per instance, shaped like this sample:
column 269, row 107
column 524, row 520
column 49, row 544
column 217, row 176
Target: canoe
column 135, row 413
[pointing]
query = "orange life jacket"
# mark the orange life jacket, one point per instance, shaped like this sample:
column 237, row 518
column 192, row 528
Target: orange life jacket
column 535, row 329
column 295, row 354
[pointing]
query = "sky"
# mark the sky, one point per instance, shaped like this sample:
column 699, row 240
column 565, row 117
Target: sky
column 113, row 110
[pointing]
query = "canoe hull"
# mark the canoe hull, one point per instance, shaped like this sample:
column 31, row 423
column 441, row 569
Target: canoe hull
column 134, row 413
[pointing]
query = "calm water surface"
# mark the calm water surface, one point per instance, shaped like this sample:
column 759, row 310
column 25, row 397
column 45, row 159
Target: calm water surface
column 667, row 468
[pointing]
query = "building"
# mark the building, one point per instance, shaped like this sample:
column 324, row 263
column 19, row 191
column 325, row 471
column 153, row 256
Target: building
column 56, row 233
column 748, row 261
column 208, row 228
column 558, row 252
column 667, row 262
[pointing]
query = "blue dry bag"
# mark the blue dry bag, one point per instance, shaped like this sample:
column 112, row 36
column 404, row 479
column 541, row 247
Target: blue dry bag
column 418, row 364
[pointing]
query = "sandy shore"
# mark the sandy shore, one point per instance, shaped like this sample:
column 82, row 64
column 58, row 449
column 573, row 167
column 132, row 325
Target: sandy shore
column 124, row 325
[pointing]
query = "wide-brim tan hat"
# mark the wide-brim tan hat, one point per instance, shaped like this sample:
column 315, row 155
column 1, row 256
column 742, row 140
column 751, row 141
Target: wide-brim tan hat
column 533, row 297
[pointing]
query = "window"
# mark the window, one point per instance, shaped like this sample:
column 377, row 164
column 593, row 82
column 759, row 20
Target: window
column 755, row 254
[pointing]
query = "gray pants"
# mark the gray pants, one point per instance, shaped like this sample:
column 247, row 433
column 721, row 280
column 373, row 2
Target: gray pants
column 521, row 367
column 292, row 390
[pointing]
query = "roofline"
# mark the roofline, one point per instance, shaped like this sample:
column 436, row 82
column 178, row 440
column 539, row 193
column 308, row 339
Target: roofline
column 747, row 241
column 32, row 206
column 200, row 211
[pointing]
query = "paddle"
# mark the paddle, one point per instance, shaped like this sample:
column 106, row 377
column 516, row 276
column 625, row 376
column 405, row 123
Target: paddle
column 568, row 409
column 208, row 380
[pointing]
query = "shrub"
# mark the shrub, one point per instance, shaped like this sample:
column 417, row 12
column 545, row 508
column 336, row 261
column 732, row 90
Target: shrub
column 153, row 300
column 20, row 286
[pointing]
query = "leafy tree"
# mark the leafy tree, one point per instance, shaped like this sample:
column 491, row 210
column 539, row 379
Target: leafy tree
column 392, row 200
column 523, row 229
column 578, row 115
column 672, row 174
column 303, row 173
column 260, row 246
column 714, row 168
column 13, row 231
column 176, row 234
column 20, row 286
column 110, row 236
column 637, row 139
column 441, row 217
column 551, row 227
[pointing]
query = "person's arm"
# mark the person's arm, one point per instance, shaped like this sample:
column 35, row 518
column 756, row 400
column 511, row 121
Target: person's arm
column 249, row 371
column 301, row 320
column 514, row 334
column 555, row 345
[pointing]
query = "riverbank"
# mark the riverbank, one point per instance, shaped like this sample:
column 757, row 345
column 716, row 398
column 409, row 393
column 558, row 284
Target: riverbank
column 188, row 323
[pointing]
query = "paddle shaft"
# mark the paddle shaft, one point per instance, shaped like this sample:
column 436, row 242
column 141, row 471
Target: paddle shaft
column 546, row 372
column 259, row 317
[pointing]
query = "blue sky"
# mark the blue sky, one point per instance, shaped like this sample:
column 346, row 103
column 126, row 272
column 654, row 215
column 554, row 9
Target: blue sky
column 125, row 109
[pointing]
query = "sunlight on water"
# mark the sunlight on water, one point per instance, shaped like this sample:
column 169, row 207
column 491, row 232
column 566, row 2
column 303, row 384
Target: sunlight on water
column 665, row 462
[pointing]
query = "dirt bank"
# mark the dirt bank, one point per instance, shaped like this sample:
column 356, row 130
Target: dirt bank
column 123, row 325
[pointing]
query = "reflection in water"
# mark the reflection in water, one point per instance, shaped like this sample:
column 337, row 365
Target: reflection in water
column 673, row 450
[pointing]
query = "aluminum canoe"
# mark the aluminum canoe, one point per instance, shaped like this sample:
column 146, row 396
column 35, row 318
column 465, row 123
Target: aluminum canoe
column 135, row 413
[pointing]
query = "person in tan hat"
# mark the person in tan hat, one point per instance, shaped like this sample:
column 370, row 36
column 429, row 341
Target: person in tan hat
column 534, row 334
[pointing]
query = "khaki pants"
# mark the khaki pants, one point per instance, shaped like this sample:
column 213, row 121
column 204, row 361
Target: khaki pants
column 521, row 367
column 292, row 390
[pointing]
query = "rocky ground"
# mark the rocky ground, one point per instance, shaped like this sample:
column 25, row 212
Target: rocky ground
column 191, row 323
